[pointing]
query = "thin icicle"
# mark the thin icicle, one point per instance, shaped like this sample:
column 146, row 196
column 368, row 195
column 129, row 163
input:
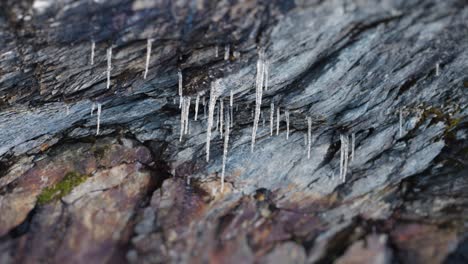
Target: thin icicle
column 221, row 116
column 109, row 66
column 217, row 51
column 231, row 104
column 227, row 50
column 197, row 101
column 401, row 122
column 341, row 156
column 67, row 109
column 309, row 135
column 346, row 157
column 179, row 73
column 258, row 96
column 437, row 69
column 272, row 111
column 182, row 118
column 98, row 118
column 225, row 150
column 217, row 119
column 92, row 108
column 353, row 145
column 278, row 118
column 286, row 115
column 93, row 47
column 212, row 103
column 148, row 56
column 187, row 112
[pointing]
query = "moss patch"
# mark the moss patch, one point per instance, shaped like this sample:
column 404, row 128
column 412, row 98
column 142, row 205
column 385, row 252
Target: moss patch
column 62, row 188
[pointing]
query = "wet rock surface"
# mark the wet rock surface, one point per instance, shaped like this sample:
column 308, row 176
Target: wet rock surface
column 390, row 74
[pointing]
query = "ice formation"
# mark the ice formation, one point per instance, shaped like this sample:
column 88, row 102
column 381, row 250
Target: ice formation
column 214, row 91
column 98, row 118
column 109, row 66
column 148, row 56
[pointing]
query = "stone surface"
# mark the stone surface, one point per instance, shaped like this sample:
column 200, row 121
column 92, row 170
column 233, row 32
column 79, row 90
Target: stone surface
column 147, row 197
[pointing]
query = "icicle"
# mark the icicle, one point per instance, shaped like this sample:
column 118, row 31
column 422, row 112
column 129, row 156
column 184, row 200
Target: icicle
column 346, row 157
column 401, row 123
column 286, row 115
column 109, row 66
column 272, row 110
column 227, row 49
column 309, row 135
column 92, row 108
column 353, row 145
column 278, row 118
column 182, row 118
column 93, row 47
column 267, row 74
column 67, row 109
column 212, row 103
column 148, row 56
column 217, row 119
column 437, row 69
column 221, row 116
column 231, row 103
column 197, row 101
column 179, row 73
column 98, row 118
column 341, row 156
column 217, row 51
column 225, row 150
column 258, row 97
column 187, row 111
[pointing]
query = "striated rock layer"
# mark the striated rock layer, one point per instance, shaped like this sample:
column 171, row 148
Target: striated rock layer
column 383, row 84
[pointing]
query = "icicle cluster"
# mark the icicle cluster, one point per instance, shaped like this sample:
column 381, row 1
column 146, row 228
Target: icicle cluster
column 309, row 136
column 148, row 56
column 109, row 66
column 98, row 118
column 278, row 118
column 225, row 149
column 258, row 94
column 344, row 156
column 93, row 47
column 197, row 102
column 184, row 116
column 214, row 92
column 286, row 115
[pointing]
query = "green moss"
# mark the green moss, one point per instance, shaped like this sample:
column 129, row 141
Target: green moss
column 62, row 188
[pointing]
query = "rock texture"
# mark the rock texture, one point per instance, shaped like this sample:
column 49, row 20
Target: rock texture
column 390, row 74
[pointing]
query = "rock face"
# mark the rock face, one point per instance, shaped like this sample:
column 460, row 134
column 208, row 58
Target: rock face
column 383, row 84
